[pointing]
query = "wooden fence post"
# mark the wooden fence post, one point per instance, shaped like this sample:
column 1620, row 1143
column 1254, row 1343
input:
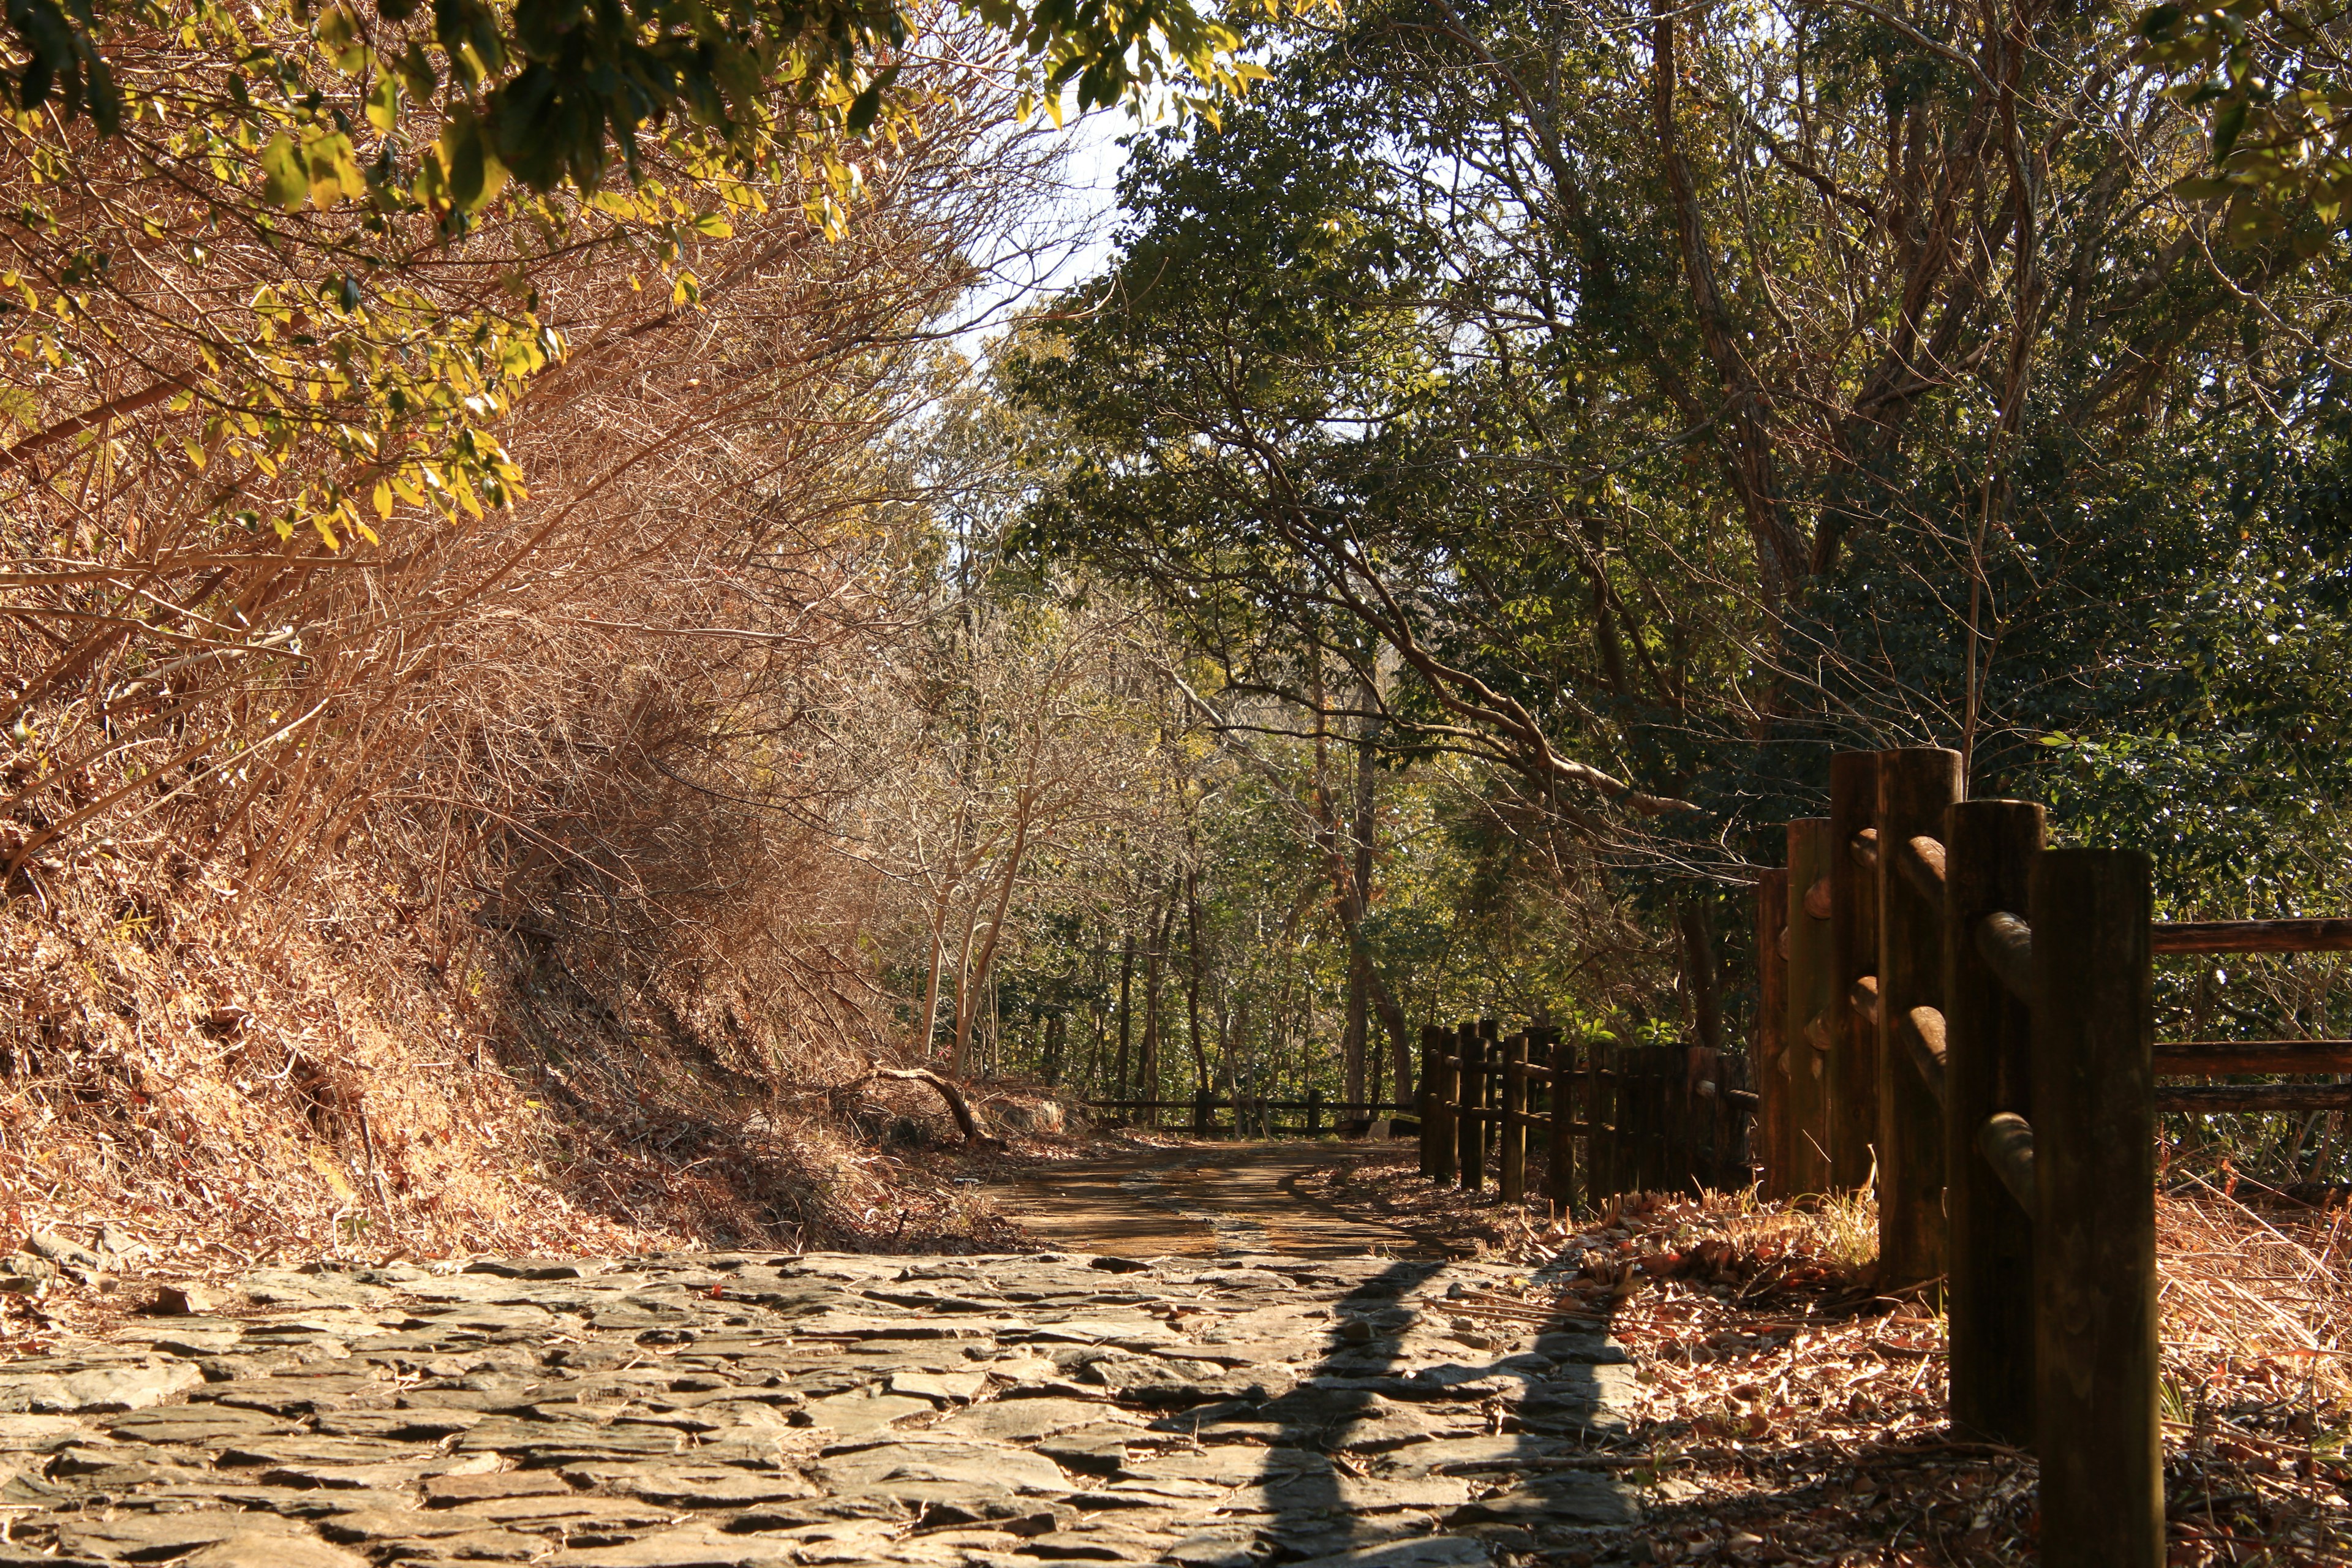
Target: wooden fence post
column 1490, row 1056
column 1810, row 975
column 1650, row 1119
column 1852, row 1064
column 1428, row 1100
column 1917, row 789
column 1445, row 1092
column 1314, row 1113
column 1560, row 1154
column 1512, row 1129
column 2100, row 1436
column 1988, row 853
column 1473, row 1100
column 1769, row 1052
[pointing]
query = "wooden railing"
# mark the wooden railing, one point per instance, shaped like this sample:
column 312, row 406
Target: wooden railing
column 1250, row 1109
column 1968, row 1014
column 1645, row 1118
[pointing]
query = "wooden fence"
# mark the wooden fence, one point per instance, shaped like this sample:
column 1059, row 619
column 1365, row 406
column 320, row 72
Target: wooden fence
column 1966, row 1016
column 1609, row 1119
column 1250, row 1111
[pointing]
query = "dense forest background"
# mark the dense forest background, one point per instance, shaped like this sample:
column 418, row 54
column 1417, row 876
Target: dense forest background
column 539, row 644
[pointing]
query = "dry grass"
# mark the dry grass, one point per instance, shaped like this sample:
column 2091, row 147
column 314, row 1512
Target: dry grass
column 1788, row 1413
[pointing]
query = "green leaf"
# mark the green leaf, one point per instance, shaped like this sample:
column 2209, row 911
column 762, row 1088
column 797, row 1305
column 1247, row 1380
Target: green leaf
column 383, row 103
column 284, row 180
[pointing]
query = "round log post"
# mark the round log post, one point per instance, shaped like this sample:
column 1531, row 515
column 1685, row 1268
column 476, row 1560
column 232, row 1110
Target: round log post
column 1811, row 980
column 1769, row 1052
column 1854, row 945
column 1988, row 853
column 2099, row 1432
column 1917, row 789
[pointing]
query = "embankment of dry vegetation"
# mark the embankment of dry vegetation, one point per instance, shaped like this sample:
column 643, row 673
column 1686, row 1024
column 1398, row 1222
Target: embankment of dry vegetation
column 214, row 1085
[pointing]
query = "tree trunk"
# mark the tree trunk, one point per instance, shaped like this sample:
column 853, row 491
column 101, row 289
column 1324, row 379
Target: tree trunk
column 1201, row 1083
column 1700, row 975
column 1126, row 1016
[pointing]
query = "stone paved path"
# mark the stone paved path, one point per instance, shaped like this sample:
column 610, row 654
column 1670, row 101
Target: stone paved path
column 1200, row 1200
column 732, row 1410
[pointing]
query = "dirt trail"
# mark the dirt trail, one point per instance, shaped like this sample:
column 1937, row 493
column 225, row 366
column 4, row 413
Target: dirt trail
column 1200, row 1200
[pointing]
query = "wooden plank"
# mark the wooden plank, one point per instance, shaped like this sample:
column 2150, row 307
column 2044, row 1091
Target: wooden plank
column 1560, row 1154
column 1811, row 990
column 1850, row 1074
column 1767, row 1142
column 2220, row 1098
column 1512, row 1124
column 1445, row 1138
column 1599, row 1163
column 2099, row 1437
column 1988, row 1031
column 2252, row 936
column 1471, row 1141
column 1431, row 1049
column 2213, row 1059
column 1916, row 790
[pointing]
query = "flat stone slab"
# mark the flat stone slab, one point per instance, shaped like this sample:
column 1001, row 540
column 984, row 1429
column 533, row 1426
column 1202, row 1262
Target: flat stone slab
column 737, row 1411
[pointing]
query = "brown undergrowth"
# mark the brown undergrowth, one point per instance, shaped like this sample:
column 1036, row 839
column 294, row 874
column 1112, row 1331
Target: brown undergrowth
column 228, row 1088
column 1789, row 1413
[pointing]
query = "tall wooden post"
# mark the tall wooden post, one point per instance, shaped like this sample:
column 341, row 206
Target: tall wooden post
column 2100, row 1436
column 1770, row 1053
column 1811, row 977
column 1472, row 1049
column 1313, row 1113
column 1511, row 1129
column 1917, row 789
column 1559, row 1155
column 1650, row 1119
column 1427, row 1100
column 1988, row 853
column 1444, row 1080
column 1854, row 947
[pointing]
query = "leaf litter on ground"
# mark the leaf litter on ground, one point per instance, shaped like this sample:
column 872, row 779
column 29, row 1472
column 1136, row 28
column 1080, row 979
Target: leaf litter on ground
column 1789, row 1412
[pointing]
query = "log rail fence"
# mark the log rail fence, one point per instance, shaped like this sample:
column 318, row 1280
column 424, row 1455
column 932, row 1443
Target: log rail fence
column 1965, row 1015
column 1611, row 1119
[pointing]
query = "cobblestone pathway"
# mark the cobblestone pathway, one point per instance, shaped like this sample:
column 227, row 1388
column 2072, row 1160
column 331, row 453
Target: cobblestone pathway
column 736, row 1410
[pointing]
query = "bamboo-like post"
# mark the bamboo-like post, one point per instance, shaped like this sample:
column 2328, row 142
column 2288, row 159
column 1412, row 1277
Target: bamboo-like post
column 1769, row 1052
column 2099, row 1434
column 1917, row 789
column 1988, row 853
column 1810, row 979
column 1853, row 1106
column 1560, row 1104
column 1472, row 1142
column 1600, row 1131
column 1511, row 1130
column 1444, row 1080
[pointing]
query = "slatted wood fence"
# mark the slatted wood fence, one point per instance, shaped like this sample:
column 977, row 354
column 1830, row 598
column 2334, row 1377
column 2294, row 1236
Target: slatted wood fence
column 1609, row 1119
